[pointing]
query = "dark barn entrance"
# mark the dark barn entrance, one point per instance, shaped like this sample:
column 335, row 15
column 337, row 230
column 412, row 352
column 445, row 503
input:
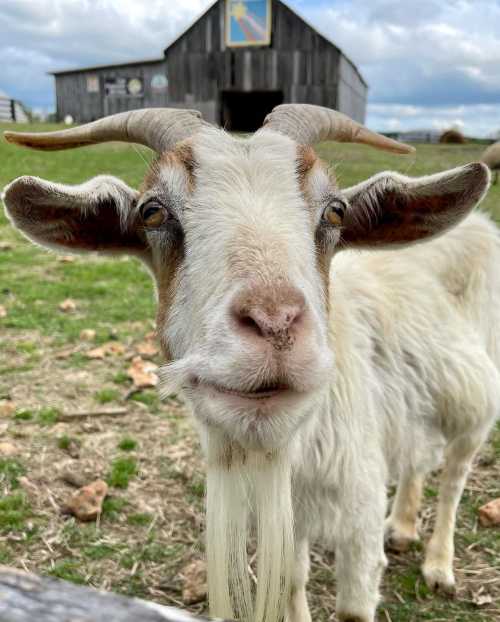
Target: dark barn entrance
column 244, row 111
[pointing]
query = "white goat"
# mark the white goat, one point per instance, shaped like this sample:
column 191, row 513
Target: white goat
column 314, row 381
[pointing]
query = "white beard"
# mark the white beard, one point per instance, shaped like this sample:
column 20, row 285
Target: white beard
column 244, row 488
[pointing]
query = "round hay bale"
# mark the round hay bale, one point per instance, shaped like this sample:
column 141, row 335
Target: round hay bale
column 452, row 137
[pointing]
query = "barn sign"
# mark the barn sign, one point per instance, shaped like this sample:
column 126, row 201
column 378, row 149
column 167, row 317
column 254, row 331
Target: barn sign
column 248, row 22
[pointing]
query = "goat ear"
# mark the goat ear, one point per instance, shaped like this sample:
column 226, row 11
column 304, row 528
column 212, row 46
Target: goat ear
column 391, row 209
column 97, row 215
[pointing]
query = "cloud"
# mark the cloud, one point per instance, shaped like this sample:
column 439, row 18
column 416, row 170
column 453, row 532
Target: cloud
column 433, row 55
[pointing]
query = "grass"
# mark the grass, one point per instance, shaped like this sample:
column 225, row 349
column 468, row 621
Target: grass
column 127, row 444
column 122, row 471
column 150, row 527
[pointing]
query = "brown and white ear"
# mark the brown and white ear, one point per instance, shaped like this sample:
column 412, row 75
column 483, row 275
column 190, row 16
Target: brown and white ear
column 97, row 215
column 391, row 209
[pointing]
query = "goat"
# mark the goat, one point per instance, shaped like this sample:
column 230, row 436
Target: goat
column 318, row 365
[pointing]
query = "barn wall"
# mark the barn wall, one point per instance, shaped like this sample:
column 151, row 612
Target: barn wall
column 299, row 62
column 74, row 99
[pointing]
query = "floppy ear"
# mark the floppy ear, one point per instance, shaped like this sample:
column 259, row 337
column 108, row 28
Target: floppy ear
column 97, row 215
column 391, row 209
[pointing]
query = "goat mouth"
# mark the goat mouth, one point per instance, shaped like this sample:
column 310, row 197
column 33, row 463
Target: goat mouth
column 263, row 392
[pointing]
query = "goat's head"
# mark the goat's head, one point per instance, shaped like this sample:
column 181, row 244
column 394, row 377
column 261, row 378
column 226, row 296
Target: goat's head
column 239, row 234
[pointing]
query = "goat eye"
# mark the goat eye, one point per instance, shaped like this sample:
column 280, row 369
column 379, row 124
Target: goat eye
column 153, row 214
column 334, row 213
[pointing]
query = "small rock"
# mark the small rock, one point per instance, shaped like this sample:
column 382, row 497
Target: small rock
column 8, row 449
column 86, row 503
column 87, row 334
column 3, row 311
column 143, row 373
column 111, row 348
column 7, row 408
column 489, row 514
column 147, row 348
column 194, row 587
column 73, row 479
column 67, row 306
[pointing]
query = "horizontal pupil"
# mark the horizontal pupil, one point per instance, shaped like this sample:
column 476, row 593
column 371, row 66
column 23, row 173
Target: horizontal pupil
column 150, row 211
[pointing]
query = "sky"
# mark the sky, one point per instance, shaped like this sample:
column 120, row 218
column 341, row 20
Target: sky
column 430, row 64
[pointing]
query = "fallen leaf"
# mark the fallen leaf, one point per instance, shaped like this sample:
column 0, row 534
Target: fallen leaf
column 86, row 503
column 143, row 373
column 68, row 305
column 110, row 348
column 194, row 578
column 7, row 408
column 481, row 597
column 8, row 449
column 87, row 334
column 147, row 348
column 3, row 311
column 489, row 514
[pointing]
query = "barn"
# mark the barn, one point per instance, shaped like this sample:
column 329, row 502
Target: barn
column 234, row 63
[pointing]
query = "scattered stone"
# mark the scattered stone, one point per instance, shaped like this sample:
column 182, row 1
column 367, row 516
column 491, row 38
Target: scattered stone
column 194, row 582
column 78, row 480
column 7, row 408
column 489, row 514
column 3, row 311
column 481, row 597
column 8, row 449
column 87, row 334
column 111, row 348
column 86, row 503
column 67, row 306
column 147, row 349
column 143, row 373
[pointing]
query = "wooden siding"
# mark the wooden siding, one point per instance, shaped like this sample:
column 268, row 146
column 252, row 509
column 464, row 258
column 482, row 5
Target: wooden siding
column 12, row 111
column 74, row 99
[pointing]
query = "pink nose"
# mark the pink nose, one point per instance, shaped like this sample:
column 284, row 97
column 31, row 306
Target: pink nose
column 271, row 314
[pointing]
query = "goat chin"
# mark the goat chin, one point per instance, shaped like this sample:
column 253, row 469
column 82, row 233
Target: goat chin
column 246, row 490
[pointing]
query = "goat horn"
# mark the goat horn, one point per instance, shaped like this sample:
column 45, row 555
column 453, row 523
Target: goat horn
column 308, row 124
column 157, row 128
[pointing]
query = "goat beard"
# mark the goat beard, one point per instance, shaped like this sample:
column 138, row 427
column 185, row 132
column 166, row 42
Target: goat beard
column 248, row 489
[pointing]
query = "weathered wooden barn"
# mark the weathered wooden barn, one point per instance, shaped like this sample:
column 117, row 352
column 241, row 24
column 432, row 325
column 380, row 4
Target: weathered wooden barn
column 234, row 64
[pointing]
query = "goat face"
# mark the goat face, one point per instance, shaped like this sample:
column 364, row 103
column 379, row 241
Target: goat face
column 239, row 263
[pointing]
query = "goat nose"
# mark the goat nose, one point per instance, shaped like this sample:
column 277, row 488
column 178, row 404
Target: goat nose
column 270, row 314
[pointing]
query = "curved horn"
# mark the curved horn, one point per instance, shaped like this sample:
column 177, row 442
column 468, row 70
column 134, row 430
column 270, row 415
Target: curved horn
column 308, row 124
column 157, row 128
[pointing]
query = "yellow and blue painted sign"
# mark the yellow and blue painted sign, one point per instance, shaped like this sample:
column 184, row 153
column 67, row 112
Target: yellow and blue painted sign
column 248, row 22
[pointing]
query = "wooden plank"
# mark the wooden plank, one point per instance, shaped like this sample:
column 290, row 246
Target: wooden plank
column 28, row 598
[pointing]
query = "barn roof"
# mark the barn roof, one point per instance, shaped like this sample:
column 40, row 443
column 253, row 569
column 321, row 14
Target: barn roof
column 148, row 61
column 297, row 15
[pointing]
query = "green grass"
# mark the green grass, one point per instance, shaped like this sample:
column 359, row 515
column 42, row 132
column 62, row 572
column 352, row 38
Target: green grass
column 127, row 444
column 14, row 511
column 68, row 570
column 139, row 519
column 23, row 415
column 10, row 472
column 122, row 471
column 105, row 396
column 47, row 416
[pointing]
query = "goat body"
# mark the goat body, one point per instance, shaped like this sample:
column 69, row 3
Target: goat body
column 415, row 337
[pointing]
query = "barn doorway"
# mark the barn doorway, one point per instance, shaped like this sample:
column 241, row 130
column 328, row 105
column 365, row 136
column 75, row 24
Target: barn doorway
column 245, row 111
